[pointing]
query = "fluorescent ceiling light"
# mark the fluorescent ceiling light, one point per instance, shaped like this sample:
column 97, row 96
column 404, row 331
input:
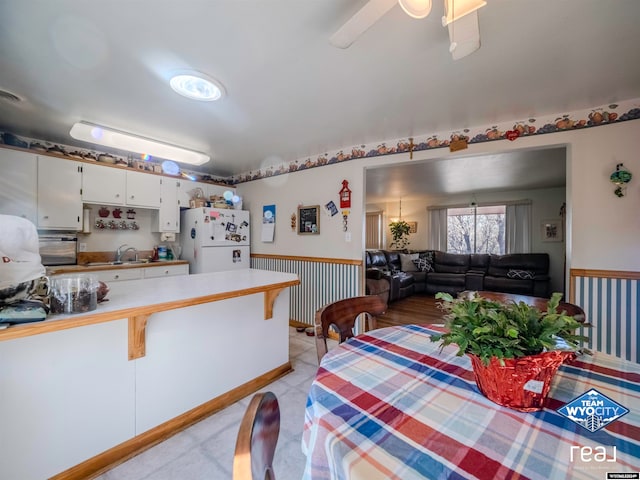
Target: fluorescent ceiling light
column 132, row 143
column 416, row 8
column 196, row 87
column 455, row 9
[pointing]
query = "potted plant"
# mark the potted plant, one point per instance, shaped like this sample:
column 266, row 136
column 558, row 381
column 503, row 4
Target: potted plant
column 515, row 348
column 400, row 233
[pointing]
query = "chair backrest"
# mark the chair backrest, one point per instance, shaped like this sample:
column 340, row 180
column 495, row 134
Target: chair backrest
column 343, row 315
column 257, row 439
column 541, row 303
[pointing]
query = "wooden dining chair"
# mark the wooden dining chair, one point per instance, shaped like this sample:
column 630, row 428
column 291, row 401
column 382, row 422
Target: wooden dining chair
column 343, row 314
column 257, row 439
column 540, row 303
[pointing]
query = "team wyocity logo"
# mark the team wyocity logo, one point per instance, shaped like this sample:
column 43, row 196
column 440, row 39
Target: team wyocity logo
column 592, row 410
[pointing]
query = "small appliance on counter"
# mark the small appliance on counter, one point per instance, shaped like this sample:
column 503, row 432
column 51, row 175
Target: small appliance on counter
column 58, row 249
column 215, row 239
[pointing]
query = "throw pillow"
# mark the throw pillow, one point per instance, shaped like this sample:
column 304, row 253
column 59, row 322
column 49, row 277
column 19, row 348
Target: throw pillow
column 406, row 262
column 521, row 274
column 423, row 265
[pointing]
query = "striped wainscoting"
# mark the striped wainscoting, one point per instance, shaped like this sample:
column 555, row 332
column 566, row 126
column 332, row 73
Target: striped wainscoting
column 611, row 301
column 322, row 281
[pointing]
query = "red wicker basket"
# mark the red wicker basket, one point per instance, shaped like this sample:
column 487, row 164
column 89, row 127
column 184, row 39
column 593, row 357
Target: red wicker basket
column 521, row 383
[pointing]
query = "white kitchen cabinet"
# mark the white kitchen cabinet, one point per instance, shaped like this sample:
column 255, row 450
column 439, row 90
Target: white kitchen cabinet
column 143, row 189
column 59, row 197
column 167, row 218
column 19, row 184
column 118, row 274
column 104, row 185
column 166, row 271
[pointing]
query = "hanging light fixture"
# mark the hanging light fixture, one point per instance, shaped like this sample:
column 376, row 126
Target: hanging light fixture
column 416, row 8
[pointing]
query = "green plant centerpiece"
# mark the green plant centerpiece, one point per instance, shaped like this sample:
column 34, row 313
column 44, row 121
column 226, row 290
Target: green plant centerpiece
column 400, row 233
column 515, row 348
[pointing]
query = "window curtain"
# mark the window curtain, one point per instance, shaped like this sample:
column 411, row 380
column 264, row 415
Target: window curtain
column 518, row 228
column 438, row 229
column 373, row 230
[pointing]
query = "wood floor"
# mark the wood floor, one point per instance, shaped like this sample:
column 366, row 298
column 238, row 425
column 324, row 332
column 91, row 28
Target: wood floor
column 419, row 308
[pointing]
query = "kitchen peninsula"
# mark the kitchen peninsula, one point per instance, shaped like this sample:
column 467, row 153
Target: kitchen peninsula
column 83, row 392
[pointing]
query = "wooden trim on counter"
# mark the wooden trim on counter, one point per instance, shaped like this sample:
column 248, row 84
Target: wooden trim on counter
column 138, row 316
column 107, row 460
column 341, row 261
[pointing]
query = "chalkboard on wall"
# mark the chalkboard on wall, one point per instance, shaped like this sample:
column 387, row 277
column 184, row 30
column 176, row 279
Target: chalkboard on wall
column 309, row 220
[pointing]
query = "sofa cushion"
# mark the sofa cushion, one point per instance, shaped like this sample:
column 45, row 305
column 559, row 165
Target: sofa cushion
column 499, row 265
column 509, row 285
column 377, row 259
column 452, row 279
column 522, row 274
column 406, row 262
column 451, row 262
column 393, row 260
column 479, row 262
column 423, row 265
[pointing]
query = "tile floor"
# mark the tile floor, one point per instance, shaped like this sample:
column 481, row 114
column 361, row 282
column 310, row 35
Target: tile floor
column 205, row 450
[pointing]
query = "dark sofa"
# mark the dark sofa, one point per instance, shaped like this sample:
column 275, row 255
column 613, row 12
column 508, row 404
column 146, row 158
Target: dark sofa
column 433, row 271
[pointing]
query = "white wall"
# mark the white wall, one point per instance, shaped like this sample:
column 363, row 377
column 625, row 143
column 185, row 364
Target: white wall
column 316, row 186
column 109, row 240
column 603, row 230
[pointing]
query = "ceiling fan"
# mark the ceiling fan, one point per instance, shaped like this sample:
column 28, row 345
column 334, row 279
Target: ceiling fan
column 461, row 19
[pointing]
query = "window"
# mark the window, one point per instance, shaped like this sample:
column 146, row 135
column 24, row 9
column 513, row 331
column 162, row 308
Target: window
column 476, row 229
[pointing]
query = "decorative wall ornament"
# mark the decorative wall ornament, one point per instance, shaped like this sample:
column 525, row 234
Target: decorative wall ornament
column 620, row 177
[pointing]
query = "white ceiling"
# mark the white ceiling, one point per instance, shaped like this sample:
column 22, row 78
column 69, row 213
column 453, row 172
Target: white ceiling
column 522, row 170
column 290, row 94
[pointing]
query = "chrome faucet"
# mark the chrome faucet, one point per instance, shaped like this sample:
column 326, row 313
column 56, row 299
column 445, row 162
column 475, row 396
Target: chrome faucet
column 120, row 252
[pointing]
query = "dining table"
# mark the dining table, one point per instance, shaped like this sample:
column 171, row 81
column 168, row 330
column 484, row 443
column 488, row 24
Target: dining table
column 393, row 404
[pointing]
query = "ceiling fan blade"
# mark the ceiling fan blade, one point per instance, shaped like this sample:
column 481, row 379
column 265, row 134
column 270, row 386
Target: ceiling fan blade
column 360, row 22
column 464, row 35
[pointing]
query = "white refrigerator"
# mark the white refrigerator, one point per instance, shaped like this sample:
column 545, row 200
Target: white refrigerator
column 215, row 239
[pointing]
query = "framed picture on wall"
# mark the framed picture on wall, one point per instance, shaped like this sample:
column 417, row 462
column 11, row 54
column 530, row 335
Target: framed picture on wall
column 551, row 230
column 413, row 227
column 309, row 220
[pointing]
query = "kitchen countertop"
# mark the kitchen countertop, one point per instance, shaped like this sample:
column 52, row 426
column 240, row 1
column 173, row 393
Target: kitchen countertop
column 137, row 299
column 98, row 266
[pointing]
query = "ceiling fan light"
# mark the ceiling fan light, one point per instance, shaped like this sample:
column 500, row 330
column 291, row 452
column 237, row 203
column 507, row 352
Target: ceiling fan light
column 416, row 8
column 455, row 9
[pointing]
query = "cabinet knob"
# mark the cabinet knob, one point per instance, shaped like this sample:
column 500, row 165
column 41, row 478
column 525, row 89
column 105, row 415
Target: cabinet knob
column 132, row 196
column 166, row 272
column 116, row 277
column 117, row 195
column 46, row 217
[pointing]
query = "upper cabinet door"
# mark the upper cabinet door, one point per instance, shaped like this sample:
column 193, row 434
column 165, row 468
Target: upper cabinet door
column 18, row 184
column 102, row 184
column 143, row 189
column 59, row 198
column 169, row 213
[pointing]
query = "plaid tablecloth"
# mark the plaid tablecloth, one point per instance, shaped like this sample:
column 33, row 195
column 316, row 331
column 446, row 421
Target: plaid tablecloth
column 389, row 404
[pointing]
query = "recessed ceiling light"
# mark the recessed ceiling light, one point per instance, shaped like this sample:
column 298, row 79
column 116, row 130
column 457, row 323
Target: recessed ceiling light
column 197, row 87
